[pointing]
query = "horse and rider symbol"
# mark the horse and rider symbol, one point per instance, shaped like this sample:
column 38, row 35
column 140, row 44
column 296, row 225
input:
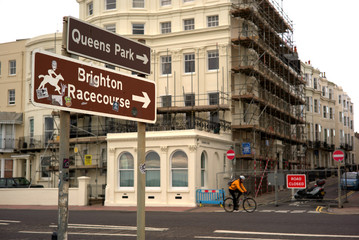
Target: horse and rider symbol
column 53, row 79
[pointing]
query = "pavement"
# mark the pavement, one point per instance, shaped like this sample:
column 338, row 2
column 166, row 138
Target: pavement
column 329, row 206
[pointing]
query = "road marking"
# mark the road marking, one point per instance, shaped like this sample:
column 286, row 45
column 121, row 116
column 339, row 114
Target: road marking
column 313, row 212
column 282, row 211
column 288, row 234
column 236, row 238
column 10, row 221
column 83, row 233
column 266, row 211
column 110, row 227
column 4, row 224
column 298, row 211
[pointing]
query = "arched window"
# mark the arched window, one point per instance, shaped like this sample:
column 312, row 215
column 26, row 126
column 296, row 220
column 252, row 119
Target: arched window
column 153, row 170
column 179, row 169
column 203, row 169
column 125, row 170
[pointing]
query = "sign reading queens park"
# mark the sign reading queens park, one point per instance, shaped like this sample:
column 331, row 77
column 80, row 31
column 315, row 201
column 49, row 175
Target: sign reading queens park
column 67, row 84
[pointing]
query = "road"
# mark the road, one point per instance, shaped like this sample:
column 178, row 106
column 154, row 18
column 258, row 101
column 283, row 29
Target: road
column 288, row 221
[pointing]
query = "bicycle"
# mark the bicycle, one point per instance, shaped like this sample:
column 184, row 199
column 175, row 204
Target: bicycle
column 248, row 204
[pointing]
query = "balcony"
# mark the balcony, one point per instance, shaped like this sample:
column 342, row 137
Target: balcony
column 8, row 144
column 37, row 142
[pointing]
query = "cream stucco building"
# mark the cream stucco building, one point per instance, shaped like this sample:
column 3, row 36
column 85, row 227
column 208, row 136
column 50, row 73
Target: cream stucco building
column 227, row 76
column 330, row 123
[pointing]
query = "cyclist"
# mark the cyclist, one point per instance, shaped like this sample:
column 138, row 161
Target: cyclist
column 237, row 187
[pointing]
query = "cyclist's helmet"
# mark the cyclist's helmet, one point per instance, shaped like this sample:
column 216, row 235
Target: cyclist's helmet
column 242, row 177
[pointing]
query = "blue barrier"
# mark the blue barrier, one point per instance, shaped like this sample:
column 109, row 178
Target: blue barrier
column 210, row 196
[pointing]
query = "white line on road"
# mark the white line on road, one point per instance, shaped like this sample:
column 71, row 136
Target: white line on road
column 10, row 221
column 297, row 211
column 236, row 238
column 83, row 233
column 282, row 211
column 111, row 227
column 4, row 224
column 288, row 234
column 313, row 212
column 266, row 211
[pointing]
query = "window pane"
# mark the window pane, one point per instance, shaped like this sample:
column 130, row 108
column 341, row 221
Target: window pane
column 110, row 4
column 179, row 160
column 179, row 178
column 188, row 24
column 213, row 60
column 166, row 65
column 126, row 170
column 126, row 178
column 165, row 2
column 152, row 178
column 90, row 8
column 11, row 96
column 138, row 29
column 111, row 28
column 138, row 3
column 152, row 160
column 166, row 27
column 189, row 63
column 212, row 21
column 12, row 67
column 166, row 101
column 126, row 161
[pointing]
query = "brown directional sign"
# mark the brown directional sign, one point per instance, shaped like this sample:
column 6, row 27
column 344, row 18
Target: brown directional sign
column 67, row 84
column 93, row 42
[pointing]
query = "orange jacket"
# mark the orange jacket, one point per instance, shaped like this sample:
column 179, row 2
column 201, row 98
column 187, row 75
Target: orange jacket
column 237, row 185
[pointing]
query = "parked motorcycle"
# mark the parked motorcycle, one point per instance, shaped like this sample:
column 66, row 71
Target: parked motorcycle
column 315, row 192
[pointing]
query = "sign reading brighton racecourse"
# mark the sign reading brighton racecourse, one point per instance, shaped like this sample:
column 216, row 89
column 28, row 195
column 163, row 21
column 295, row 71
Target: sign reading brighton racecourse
column 90, row 41
column 68, row 84
column 296, row 181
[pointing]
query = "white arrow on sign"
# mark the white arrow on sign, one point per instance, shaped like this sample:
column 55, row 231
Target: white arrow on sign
column 142, row 58
column 145, row 99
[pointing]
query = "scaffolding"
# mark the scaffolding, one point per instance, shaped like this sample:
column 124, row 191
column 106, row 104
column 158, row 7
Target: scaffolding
column 268, row 91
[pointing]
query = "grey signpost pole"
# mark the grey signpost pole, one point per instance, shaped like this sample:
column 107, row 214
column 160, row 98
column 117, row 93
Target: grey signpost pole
column 141, row 179
column 339, row 189
column 63, row 160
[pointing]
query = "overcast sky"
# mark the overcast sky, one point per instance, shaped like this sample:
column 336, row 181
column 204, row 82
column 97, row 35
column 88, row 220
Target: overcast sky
column 325, row 32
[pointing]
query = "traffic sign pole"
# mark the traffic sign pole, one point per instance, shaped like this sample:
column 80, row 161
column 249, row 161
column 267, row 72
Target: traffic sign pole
column 338, row 156
column 63, row 197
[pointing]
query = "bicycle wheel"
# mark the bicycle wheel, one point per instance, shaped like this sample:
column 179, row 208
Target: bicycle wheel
column 249, row 205
column 228, row 204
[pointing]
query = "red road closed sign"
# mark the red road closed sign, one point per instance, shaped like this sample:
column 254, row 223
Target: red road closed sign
column 296, row 181
column 230, row 154
column 67, row 84
column 338, row 155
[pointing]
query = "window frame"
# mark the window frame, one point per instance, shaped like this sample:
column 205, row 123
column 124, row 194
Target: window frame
column 141, row 2
column 172, row 169
column 110, row 5
column 12, row 67
column 135, row 28
column 188, row 24
column 129, row 170
column 11, row 97
column 163, row 3
column 149, row 169
column 215, row 56
column 166, row 61
column 111, row 27
column 204, row 171
column 89, row 8
column 189, row 58
column 166, row 29
column 212, row 22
